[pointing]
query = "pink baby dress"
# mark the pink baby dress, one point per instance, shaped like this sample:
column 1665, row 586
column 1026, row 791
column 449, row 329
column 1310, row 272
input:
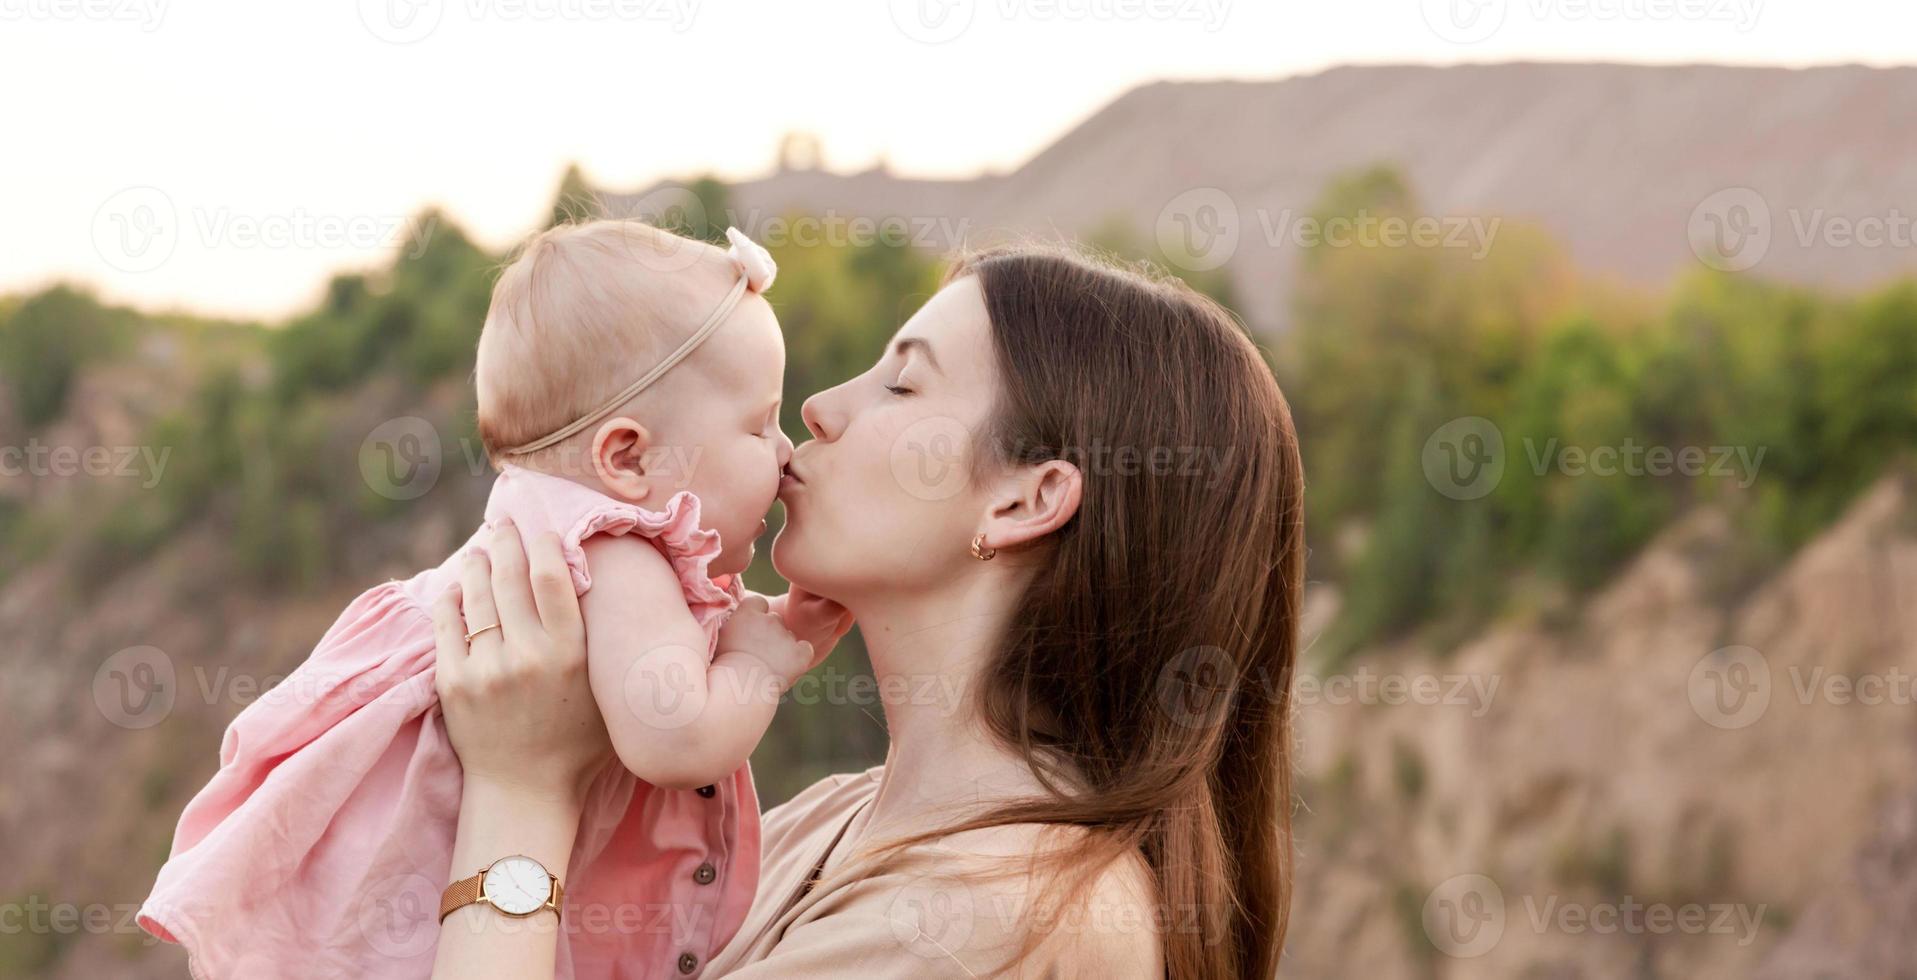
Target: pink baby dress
column 321, row 846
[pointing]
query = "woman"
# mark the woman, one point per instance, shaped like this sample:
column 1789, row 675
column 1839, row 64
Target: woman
column 1068, row 493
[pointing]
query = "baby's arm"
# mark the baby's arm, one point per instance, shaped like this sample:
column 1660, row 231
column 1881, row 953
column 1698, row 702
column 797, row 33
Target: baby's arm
column 675, row 721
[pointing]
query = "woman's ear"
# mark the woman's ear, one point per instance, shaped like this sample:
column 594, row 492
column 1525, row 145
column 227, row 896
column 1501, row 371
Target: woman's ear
column 1037, row 500
column 619, row 457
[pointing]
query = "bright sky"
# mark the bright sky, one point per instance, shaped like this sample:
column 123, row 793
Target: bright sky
column 228, row 155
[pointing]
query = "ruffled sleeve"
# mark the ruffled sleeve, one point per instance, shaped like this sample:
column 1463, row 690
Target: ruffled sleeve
column 539, row 502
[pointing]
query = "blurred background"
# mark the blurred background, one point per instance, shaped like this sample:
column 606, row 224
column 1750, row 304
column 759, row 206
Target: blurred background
column 1598, row 317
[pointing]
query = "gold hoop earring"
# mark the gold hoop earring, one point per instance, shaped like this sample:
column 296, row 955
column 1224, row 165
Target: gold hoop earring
column 979, row 550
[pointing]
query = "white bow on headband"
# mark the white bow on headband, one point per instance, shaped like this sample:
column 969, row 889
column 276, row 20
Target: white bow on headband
column 756, row 272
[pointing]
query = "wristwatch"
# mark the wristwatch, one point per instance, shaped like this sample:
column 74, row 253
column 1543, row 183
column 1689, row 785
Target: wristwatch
column 516, row 885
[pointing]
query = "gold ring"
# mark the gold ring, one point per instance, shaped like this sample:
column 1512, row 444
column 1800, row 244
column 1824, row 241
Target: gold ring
column 482, row 629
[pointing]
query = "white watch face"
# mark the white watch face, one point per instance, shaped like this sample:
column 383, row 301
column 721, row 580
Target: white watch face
column 518, row 885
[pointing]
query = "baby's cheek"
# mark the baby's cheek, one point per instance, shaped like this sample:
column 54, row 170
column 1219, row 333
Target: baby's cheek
column 750, row 487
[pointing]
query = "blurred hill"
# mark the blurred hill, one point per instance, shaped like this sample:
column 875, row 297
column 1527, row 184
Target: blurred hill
column 1611, row 160
column 1602, row 771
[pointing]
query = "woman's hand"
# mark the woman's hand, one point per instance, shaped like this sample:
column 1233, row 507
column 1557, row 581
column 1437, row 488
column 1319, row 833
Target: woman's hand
column 518, row 706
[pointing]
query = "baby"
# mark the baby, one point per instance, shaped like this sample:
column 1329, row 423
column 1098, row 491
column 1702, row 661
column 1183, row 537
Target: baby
column 628, row 389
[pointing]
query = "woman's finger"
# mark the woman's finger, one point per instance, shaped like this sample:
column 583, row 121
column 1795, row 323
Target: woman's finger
column 552, row 588
column 512, row 588
column 476, row 604
column 449, row 639
column 753, row 603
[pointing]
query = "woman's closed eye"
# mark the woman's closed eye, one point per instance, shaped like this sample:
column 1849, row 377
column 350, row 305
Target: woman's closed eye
column 899, row 386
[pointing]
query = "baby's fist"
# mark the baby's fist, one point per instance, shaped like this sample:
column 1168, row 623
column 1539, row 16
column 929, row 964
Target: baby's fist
column 754, row 630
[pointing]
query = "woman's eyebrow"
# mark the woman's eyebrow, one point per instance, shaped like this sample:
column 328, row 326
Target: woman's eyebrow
column 904, row 344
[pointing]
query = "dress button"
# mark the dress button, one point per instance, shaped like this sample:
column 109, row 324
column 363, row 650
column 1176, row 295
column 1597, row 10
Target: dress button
column 705, row 874
column 688, row 962
column 707, row 791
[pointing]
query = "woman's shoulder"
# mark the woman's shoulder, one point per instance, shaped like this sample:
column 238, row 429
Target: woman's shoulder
column 978, row 899
column 832, row 798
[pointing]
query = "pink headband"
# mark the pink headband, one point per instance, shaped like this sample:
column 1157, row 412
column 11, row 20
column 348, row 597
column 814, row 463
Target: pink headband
column 756, row 272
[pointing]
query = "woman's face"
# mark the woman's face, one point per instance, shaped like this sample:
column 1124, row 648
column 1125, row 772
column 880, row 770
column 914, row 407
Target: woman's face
column 881, row 499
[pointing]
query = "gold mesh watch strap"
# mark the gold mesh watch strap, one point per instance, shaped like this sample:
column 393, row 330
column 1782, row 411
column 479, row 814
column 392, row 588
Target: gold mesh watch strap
column 459, row 894
column 466, row 891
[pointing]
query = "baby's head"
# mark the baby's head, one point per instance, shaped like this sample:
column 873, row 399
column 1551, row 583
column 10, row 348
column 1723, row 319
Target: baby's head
column 584, row 312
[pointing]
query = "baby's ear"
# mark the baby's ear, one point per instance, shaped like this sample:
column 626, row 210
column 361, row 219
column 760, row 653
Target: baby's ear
column 619, row 457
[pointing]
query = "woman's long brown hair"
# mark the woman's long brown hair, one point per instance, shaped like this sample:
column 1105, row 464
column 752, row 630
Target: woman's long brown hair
column 1146, row 673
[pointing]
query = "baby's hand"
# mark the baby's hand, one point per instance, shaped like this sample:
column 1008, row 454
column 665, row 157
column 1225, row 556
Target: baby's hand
column 753, row 629
column 812, row 618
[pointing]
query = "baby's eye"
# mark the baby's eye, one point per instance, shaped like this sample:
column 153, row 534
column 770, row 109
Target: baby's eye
column 898, row 389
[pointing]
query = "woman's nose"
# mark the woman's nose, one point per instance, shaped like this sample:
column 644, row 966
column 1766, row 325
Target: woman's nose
column 821, row 418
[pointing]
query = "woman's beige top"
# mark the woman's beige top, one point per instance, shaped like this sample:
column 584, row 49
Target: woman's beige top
column 932, row 915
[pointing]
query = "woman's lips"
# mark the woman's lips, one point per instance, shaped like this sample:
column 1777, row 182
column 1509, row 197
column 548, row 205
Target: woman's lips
column 789, row 480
